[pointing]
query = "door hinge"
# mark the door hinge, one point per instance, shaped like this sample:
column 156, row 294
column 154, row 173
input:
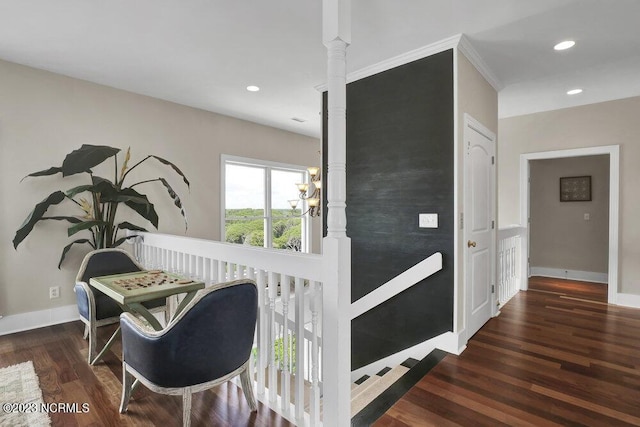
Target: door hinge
column 461, row 220
column 493, row 160
column 493, row 289
column 493, row 225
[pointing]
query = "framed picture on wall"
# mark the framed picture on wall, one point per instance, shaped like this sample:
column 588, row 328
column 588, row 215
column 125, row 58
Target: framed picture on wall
column 575, row 189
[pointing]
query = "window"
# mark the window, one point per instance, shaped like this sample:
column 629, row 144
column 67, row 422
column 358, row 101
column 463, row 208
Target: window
column 255, row 204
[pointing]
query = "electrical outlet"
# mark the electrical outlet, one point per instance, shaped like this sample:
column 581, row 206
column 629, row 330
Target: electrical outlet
column 54, row 292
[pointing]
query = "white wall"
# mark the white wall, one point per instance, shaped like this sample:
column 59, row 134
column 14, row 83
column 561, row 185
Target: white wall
column 44, row 116
column 606, row 123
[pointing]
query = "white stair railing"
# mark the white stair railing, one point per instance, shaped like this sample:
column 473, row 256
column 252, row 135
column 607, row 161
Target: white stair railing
column 400, row 283
column 512, row 270
column 289, row 312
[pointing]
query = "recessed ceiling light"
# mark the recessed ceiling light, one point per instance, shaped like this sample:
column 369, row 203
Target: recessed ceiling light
column 564, row 45
column 574, row 91
column 253, row 88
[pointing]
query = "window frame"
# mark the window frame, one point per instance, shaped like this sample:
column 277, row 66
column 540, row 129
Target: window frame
column 267, row 167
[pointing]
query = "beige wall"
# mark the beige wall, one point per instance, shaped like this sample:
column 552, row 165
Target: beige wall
column 560, row 237
column 607, row 123
column 476, row 97
column 43, row 116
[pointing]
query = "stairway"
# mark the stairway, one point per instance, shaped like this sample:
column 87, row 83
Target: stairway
column 371, row 387
column 372, row 396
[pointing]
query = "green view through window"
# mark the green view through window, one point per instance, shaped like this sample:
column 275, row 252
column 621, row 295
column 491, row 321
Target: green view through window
column 256, row 208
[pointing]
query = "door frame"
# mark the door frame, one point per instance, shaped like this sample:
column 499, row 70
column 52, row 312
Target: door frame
column 471, row 123
column 614, row 203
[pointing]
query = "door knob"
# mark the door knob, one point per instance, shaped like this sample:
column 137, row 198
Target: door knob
column 471, row 244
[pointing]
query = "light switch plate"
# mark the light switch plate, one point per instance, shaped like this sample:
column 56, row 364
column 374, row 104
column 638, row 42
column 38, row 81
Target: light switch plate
column 428, row 220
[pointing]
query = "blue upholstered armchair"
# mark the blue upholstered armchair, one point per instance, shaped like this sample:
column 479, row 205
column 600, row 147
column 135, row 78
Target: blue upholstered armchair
column 208, row 343
column 95, row 308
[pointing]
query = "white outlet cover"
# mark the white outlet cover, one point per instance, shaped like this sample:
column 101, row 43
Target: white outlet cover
column 428, row 220
column 54, row 292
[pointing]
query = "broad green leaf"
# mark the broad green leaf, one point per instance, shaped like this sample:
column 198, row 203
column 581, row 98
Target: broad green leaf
column 100, row 185
column 98, row 179
column 144, row 208
column 79, row 189
column 122, row 198
column 105, row 188
column 147, row 211
column 174, row 167
column 71, row 219
column 128, row 226
column 85, row 225
column 120, row 241
column 51, row 171
column 36, row 215
column 66, row 249
column 86, row 157
column 176, row 200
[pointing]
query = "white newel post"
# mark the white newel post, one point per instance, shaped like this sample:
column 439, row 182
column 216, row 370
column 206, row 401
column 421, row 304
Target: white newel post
column 336, row 327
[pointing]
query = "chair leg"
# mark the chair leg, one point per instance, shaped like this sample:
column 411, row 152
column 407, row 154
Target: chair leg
column 186, row 407
column 247, row 388
column 93, row 337
column 127, row 382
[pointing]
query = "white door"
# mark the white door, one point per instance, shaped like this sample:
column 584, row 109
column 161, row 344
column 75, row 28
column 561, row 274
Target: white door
column 479, row 224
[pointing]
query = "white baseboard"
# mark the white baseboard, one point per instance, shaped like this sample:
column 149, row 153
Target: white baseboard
column 558, row 273
column 628, row 300
column 454, row 343
column 449, row 342
column 38, row 319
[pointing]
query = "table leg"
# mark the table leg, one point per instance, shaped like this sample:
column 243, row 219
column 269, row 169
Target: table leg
column 140, row 309
column 186, row 300
column 106, row 346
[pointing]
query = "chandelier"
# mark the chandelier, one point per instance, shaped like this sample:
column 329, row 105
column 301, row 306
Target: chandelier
column 309, row 192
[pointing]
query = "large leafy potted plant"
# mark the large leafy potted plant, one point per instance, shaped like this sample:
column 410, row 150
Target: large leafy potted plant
column 97, row 211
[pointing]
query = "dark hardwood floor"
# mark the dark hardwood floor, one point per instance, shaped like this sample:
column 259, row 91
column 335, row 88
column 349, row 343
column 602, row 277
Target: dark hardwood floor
column 59, row 355
column 556, row 355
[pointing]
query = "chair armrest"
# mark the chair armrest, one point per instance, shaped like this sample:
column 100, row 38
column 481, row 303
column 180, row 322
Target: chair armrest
column 142, row 328
column 84, row 299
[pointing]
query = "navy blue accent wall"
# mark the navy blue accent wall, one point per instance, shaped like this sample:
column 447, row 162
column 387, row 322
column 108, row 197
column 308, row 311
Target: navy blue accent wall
column 400, row 138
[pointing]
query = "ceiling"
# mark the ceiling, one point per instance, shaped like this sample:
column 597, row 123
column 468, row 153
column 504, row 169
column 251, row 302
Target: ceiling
column 203, row 53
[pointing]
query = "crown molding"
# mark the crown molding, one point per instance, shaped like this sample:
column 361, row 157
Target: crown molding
column 402, row 59
column 459, row 41
column 467, row 49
